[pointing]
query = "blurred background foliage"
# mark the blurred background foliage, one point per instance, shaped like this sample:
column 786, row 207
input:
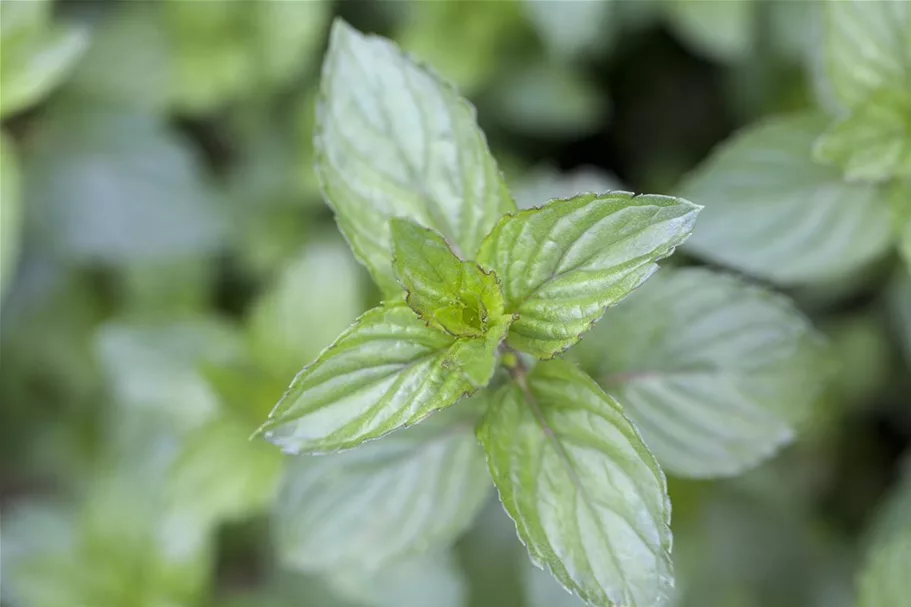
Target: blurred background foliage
column 168, row 265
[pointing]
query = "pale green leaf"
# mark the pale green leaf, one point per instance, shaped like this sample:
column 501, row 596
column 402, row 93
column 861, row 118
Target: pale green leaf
column 393, row 140
column 714, row 371
column 725, row 31
column 10, row 212
column 35, row 54
column 570, row 28
column 772, row 212
column 155, row 366
column 116, row 186
column 546, row 183
column 388, row 370
column 415, row 490
column 456, row 295
column 873, row 143
column 561, row 265
column 315, row 298
column 867, row 46
column 588, row 499
column 220, row 474
column 430, row 579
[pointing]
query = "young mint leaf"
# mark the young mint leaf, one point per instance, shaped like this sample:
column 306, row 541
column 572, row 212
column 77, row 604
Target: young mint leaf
column 715, row 372
column 771, row 211
column 456, row 295
column 563, row 264
column 588, row 499
column 873, row 143
column 388, row 370
column 394, row 140
column 35, row 54
column 867, row 46
column 415, row 490
column 10, row 212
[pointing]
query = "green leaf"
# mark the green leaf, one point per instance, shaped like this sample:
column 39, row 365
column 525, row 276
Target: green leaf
column 570, row 28
column 315, row 298
column 899, row 294
column 545, row 182
column 115, row 186
column 393, row 140
column 724, row 31
column 588, row 499
column 772, row 212
column 388, row 370
column 10, row 212
column 35, row 54
column 563, row 264
column 884, row 580
column 900, row 197
column 221, row 475
column 458, row 296
column 715, row 372
column 415, row 490
column 431, row 579
column 867, row 46
column 873, row 143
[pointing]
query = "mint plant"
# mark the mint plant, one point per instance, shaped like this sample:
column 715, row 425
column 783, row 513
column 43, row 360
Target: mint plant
column 483, row 304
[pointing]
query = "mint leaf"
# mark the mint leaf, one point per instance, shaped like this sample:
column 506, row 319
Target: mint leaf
column 571, row 28
column 724, row 31
column 867, row 46
column 415, row 490
column 884, row 580
column 715, row 372
column 388, row 370
column 545, row 182
column 563, row 264
column 10, row 212
column 35, row 54
column 873, row 143
column 456, row 295
column 393, row 140
column 772, row 212
column 588, row 499
column 430, row 579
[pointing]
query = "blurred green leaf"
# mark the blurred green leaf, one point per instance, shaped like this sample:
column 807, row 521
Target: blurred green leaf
column 563, row 264
column 866, row 46
column 113, row 185
column 773, row 213
column 723, row 31
column 413, row 491
column 715, row 372
column 458, row 296
column 10, row 212
column 547, row 99
column 387, row 371
column 313, row 300
column 900, row 303
column 589, row 501
column 155, row 366
column 220, row 474
column 37, row 54
column 570, row 28
column 431, row 579
column 492, row 557
column 901, row 211
column 462, row 40
column 545, row 183
column 873, row 143
column 395, row 141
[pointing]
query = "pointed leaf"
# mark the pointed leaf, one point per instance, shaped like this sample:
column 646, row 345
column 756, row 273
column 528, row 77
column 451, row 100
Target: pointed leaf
column 867, row 45
column 715, row 372
column 415, row 490
column 394, row 140
column 563, row 264
column 456, row 295
column 588, row 499
column 389, row 369
column 873, row 143
column 771, row 211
